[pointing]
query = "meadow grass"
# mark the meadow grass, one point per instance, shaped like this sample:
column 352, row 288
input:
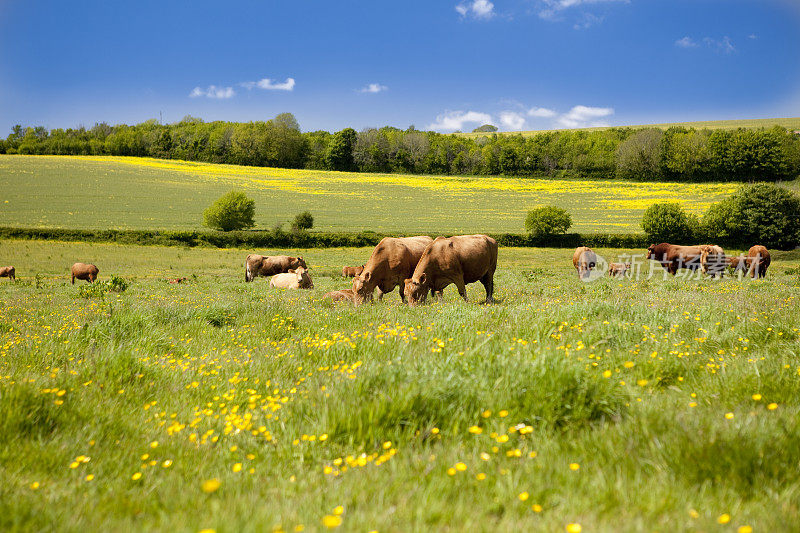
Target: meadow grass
column 788, row 123
column 144, row 193
column 620, row 405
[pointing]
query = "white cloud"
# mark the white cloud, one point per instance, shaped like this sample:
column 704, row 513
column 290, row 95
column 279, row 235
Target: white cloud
column 550, row 9
column 686, row 42
column 541, row 112
column 512, row 120
column 752, row 36
column 212, row 91
column 373, row 88
column 455, row 120
column 723, row 45
column 587, row 21
column 270, row 85
column 582, row 116
column 480, row 9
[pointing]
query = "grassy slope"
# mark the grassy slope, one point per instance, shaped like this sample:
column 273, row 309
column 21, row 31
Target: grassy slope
column 143, row 193
column 652, row 441
column 789, row 123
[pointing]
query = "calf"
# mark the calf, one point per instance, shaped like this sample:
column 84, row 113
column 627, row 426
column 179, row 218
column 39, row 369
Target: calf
column 8, row 272
column 618, row 270
column 294, row 279
column 351, row 272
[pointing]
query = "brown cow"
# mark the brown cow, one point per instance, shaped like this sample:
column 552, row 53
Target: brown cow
column 260, row 265
column 584, row 260
column 351, row 272
column 673, row 257
column 341, row 295
column 712, row 260
column 294, row 279
column 392, row 261
column 461, row 260
column 618, row 269
column 737, row 263
column 759, row 260
column 8, row 272
column 85, row 272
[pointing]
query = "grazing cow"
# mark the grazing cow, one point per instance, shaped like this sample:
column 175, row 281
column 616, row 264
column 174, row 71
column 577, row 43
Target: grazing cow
column 351, row 272
column 618, row 270
column 712, row 260
column 294, row 279
column 8, row 272
column 673, row 257
column 341, row 295
column 85, row 272
column 260, row 265
column 392, row 261
column 461, row 260
column 759, row 260
column 177, row 280
column 584, row 260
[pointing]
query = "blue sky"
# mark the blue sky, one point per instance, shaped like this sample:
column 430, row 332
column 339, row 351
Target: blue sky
column 445, row 65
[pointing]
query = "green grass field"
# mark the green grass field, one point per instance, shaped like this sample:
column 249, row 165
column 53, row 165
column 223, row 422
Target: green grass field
column 143, row 193
column 619, row 405
column 788, row 123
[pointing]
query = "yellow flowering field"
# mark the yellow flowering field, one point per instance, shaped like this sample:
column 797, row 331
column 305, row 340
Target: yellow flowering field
column 105, row 192
column 220, row 405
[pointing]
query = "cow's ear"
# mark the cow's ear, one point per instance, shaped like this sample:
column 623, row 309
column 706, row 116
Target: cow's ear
column 291, row 271
column 422, row 278
column 367, row 275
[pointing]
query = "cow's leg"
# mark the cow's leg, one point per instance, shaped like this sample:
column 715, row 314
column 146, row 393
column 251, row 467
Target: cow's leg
column 402, row 294
column 380, row 294
column 488, row 284
column 73, row 279
column 462, row 289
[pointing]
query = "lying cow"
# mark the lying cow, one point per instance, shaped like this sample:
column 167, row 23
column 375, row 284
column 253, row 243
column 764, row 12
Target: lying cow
column 673, row 257
column 460, row 260
column 392, row 261
column 85, row 272
column 259, row 265
column 294, row 279
column 712, row 260
column 618, row 270
column 351, row 272
column 343, row 295
column 584, row 260
column 8, row 272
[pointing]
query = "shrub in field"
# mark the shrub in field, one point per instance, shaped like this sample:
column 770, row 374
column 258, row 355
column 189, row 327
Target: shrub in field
column 757, row 214
column 303, row 221
column 547, row 220
column 232, row 211
column 668, row 222
column 100, row 288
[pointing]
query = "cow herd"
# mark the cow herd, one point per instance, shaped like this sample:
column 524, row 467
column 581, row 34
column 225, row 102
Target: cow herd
column 710, row 259
column 421, row 265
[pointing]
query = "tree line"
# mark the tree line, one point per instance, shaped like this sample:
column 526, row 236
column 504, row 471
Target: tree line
column 675, row 154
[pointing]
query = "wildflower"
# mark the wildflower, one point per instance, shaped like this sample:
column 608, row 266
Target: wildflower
column 503, row 413
column 745, row 529
column 475, row 430
column 574, row 528
column 89, row 477
column 757, row 397
column 387, row 445
column 136, row 476
column 607, row 374
column 167, row 463
column 723, row 518
column 331, row 521
column 772, row 406
column 481, row 476
column 523, row 496
column 694, row 514
column 485, row 456
column 536, row 508
column 451, row 471
column 154, row 444
column 237, row 467
column 574, row 466
column 460, row 467
column 210, row 485
column 35, row 485
column 728, row 415
column 338, row 510
column 628, row 364
column 486, row 414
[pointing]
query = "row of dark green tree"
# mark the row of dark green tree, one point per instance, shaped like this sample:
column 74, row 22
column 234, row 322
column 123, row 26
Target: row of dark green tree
column 675, row 154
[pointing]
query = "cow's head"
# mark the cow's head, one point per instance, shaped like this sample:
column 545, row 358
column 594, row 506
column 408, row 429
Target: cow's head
column 416, row 290
column 651, row 251
column 297, row 262
column 362, row 288
column 303, row 279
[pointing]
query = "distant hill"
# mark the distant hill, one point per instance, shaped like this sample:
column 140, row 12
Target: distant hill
column 789, row 123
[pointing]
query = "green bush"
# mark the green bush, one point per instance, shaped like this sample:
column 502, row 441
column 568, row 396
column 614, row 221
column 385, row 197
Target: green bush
column 547, row 220
column 231, row 211
column 100, row 288
column 763, row 214
column 668, row 222
column 303, row 221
